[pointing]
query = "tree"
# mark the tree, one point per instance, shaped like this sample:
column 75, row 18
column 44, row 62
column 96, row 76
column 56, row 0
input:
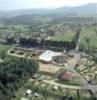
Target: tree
column 87, row 40
column 96, row 31
column 14, row 71
column 78, row 94
column 3, row 54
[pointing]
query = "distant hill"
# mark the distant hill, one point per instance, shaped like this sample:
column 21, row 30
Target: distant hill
column 38, row 16
column 83, row 9
column 90, row 8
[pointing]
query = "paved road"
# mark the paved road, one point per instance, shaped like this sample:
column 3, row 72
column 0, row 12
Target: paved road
column 85, row 87
column 61, row 85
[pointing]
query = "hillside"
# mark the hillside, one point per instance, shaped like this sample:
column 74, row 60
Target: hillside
column 90, row 8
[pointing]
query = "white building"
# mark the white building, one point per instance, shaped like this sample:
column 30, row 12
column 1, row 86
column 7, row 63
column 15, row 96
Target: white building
column 48, row 55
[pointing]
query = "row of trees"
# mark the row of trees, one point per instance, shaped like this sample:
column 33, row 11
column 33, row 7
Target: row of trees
column 77, row 36
column 13, row 73
column 10, row 40
column 46, row 43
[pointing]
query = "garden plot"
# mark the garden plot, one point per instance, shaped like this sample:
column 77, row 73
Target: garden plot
column 19, row 52
column 16, row 52
column 88, row 69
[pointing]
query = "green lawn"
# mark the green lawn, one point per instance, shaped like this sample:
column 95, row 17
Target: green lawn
column 67, row 36
column 4, row 47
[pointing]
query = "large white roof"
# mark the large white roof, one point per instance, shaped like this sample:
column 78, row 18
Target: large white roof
column 48, row 54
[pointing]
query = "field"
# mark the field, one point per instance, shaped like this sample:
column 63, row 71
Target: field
column 49, row 68
column 66, row 36
column 4, row 47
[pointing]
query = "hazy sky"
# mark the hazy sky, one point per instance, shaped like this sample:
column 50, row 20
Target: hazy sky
column 23, row 4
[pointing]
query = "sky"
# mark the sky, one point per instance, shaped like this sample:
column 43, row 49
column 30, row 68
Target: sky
column 50, row 4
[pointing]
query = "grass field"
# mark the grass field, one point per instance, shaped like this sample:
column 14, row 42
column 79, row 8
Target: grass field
column 67, row 36
column 4, row 47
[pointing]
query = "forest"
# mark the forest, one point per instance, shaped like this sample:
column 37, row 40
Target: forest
column 13, row 74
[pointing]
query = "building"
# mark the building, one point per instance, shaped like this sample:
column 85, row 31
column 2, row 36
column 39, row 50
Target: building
column 48, row 55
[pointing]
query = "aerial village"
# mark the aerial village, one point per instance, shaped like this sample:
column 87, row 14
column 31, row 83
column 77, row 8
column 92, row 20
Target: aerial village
column 64, row 71
column 48, row 49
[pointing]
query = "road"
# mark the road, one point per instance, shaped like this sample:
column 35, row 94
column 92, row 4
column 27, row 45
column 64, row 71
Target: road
column 84, row 87
column 61, row 85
